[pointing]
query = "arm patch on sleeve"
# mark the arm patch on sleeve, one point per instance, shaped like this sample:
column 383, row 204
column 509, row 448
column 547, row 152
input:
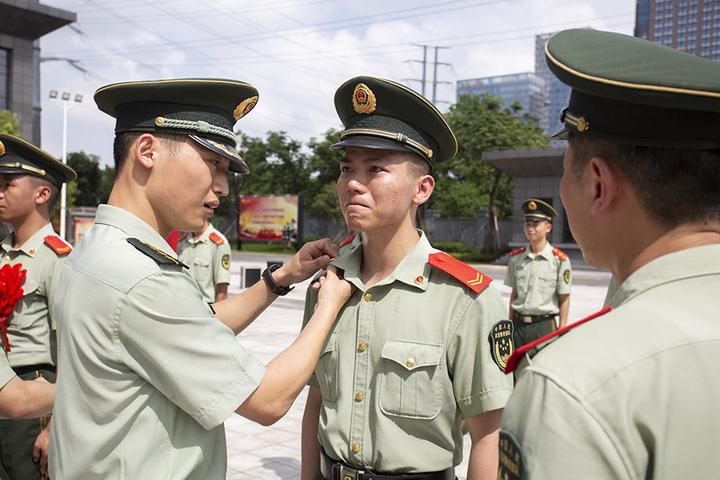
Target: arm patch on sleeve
column 512, row 461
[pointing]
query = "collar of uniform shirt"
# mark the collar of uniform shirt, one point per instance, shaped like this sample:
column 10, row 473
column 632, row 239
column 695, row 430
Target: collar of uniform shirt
column 203, row 238
column 408, row 270
column 133, row 226
column 546, row 252
column 688, row 263
column 32, row 244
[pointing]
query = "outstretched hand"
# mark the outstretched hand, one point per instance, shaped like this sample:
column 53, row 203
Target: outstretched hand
column 334, row 291
column 313, row 256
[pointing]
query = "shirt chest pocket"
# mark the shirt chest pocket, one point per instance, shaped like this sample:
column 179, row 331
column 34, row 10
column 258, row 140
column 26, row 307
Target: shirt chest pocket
column 327, row 371
column 411, row 379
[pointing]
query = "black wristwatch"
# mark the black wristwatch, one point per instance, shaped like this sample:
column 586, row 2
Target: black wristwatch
column 274, row 287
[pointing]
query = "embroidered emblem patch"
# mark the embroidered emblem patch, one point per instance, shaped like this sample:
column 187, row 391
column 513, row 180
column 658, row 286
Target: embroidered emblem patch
column 501, row 343
column 512, row 463
column 244, row 107
column 566, row 276
column 226, row 262
column 363, row 99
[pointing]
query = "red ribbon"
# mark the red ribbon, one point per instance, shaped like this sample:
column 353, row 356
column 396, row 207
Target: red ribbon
column 11, row 280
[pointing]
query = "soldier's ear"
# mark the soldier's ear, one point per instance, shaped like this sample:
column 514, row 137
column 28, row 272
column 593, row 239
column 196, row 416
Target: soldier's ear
column 145, row 150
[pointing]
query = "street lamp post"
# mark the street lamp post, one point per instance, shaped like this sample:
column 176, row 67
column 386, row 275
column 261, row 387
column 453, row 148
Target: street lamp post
column 67, row 102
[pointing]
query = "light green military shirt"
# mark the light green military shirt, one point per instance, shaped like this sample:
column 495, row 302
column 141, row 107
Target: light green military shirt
column 6, row 371
column 538, row 280
column 31, row 327
column 208, row 257
column 146, row 374
column 406, row 361
column 632, row 394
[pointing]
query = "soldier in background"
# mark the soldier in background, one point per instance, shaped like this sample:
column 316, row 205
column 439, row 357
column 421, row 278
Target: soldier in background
column 207, row 254
column 30, row 180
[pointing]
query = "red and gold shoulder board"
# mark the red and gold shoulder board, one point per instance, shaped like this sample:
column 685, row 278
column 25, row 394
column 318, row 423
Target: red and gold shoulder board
column 560, row 254
column 347, row 240
column 475, row 280
column 516, row 252
column 57, row 245
column 514, row 359
column 216, row 239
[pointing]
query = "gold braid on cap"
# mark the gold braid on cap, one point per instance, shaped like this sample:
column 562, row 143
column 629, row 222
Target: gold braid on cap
column 199, row 126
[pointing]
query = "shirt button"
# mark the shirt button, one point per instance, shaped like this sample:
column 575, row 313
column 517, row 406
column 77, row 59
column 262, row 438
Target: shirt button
column 410, row 362
column 362, row 346
column 355, row 448
column 368, row 297
column 359, row 396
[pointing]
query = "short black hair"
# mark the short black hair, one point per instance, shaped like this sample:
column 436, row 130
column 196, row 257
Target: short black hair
column 123, row 142
column 675, row 186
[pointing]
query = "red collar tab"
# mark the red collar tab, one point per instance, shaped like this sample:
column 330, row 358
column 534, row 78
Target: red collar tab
column 57, row 245
column 347, row 240
column 216, row 239
column 514, row 359
column 182, row 237
column 475, row 280
column 560, row 254
column 516, row 252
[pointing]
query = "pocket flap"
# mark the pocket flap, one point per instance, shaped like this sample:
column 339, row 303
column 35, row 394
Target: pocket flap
column 412, row 355
column 29, row 287
column 329, row 346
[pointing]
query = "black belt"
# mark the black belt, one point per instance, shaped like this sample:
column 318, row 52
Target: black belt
column 332, row 469
column 32, row 368
column 519, row 317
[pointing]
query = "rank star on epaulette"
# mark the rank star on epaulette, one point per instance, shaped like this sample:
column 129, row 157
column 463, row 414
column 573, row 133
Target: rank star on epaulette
column 476, row 281
column 160, row 257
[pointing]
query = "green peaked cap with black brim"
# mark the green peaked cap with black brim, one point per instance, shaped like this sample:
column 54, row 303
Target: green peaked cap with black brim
column 20, row 157
column 629, row 90
column 382, row 114
column 204, row 109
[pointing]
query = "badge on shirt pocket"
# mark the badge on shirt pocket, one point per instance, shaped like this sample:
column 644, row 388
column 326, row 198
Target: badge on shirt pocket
column 501, row 343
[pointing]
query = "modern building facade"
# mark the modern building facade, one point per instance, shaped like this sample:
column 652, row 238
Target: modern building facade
column 556, row 92
column 527, row 89
column 22, row 23
column 692, row 26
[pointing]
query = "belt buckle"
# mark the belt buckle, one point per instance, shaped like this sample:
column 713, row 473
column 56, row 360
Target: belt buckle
column 527, row 318
column 347, row 473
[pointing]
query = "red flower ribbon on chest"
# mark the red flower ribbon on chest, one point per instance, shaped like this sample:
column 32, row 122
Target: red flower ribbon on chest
column 11, row 280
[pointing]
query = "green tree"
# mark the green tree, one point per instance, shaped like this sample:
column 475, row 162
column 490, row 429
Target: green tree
column 87, row 187
column 9, row 123
column 321, row 197
column 467, row 183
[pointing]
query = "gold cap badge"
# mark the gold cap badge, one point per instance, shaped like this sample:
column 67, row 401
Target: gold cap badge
column 363, row 99
column 532, row 206
column 2, row 149
column 244, row 107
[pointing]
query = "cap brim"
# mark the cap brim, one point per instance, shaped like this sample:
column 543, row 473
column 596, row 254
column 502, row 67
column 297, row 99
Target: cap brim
column 561, row 135
column 538, row 216
column 237, row 164
column 370, row 142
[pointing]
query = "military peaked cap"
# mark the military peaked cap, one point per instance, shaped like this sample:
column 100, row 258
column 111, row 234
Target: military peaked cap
column 534, row 208
column 383, row 114
column 633, row 91
column 204, row 109
column 19, row 156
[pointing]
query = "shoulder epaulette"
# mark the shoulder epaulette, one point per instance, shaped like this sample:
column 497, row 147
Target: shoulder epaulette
column 160, row 257
column 216, row 239
column 475, row 280
column 516, row 252
column 514, row 359
column 183, row 236
column 560, row 254
column 57, row 245
column 347, row 240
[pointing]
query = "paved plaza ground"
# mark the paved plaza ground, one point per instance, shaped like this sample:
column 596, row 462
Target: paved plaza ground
column 273, row 453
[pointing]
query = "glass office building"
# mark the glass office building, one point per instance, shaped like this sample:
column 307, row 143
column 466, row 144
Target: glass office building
column 556, row 92
column 527, row 89
column 692, row 26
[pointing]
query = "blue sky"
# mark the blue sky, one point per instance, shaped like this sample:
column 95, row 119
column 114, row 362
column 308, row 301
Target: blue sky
column 296, row 52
